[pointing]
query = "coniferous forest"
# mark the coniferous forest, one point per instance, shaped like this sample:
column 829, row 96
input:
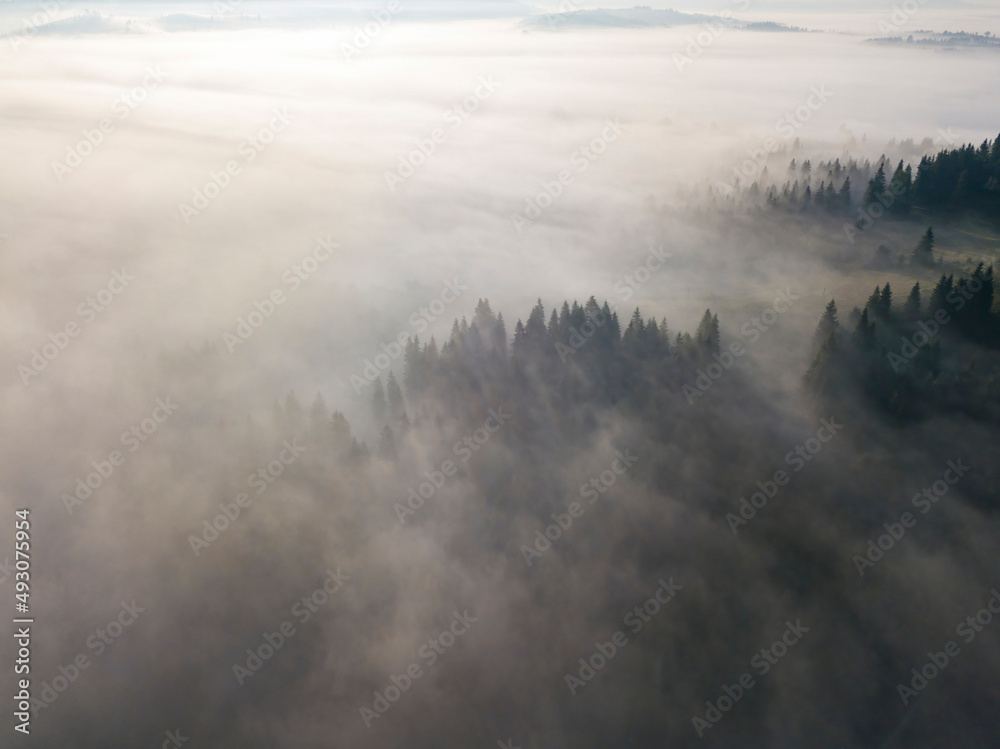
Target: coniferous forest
column 453, row 375
column 950, row 182
column 917, row 372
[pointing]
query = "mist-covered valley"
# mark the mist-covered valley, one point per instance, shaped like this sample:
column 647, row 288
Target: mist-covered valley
column 431, row 375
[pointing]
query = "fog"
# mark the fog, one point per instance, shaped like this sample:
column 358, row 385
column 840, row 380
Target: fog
column 369, row 188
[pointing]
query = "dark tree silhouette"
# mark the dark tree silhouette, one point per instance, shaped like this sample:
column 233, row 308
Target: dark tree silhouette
column 923, row 253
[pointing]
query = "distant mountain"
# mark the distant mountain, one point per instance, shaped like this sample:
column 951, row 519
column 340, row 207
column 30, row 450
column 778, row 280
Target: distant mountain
column 628, row 18
column 639, row 17
column 154, row 17
column 95, row 22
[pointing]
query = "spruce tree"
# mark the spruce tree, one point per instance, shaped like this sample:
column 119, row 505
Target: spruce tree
column 818, row 375
column 911, row 309
column 874, row 303
column 519, row 344
column 431, row 358
column 553, row 329
column 864, row 333
column 923, row 253
column 898, row 190
column 978, row 310
column 876, row 187
column 828, row 324
column 830, row 197
column 535, row 327
column 885, row 302
column 634, row 333
column 844, row 196
column 499, row 336
column 483, row 317
column 614, row 327
column 340, row 429
column 413, row 366
column 939, row 294
column 707, row 335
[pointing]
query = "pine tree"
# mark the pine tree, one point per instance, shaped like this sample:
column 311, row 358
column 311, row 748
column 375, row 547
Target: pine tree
column 469, row 341
column 634, row 334
column 830, row 197
column 864, row 333
column 475, row 348
column 940, row 292
column 874, row 303
column 535, row 327
column 923, row 253
column 553, row 329
column 651, row 337
column 483, row 317
column 885, row 303
column 844, row 196
column 499, row 336
column 818, row 375
column 413, row 367
column 520, row 340
column 614, row 328
column 431, row 360
column 911, row 309
column 828, row 324
column 564, row 314
column 898, row 190
column 876, row 187
column 977, row 314
column 707, row 335
column 962, row 193
column 340, row 429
